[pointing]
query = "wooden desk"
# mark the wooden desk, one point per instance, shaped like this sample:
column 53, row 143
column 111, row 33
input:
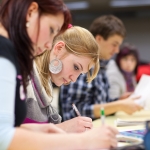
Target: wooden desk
column 110, row 120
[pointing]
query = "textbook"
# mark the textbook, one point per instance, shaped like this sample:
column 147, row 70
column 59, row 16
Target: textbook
column 143, row 89
column 121, row 123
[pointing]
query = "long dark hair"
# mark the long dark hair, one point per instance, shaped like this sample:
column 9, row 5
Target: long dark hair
column 13, row 18
column 126, row 50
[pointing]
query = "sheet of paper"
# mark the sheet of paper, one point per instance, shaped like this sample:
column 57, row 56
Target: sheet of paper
column 143, row 90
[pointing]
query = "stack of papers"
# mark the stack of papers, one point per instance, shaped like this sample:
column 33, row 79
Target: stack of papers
column 120, row 123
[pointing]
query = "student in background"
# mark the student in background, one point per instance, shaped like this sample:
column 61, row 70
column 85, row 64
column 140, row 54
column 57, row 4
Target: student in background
column 28, row 27
column 122, row 72
column 39, row 90
column 109, row 33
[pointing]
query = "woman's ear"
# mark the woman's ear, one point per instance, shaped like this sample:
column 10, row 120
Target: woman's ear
column 59, row 48
column 33, row 8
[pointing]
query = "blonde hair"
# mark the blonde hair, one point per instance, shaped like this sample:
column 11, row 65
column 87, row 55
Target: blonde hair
column 78, row 41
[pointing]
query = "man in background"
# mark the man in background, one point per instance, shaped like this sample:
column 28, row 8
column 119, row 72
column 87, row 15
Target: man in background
column 109, row 33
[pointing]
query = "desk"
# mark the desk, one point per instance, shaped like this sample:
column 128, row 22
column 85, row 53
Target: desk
column 110, row 120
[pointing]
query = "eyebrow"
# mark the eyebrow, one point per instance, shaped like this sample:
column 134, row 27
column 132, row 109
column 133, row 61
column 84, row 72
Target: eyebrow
column 117, row 42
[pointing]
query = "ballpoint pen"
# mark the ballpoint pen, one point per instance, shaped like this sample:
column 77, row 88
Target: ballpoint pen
column 76, row 110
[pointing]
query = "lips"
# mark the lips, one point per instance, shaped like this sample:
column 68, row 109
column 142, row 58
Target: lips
column 65, row 81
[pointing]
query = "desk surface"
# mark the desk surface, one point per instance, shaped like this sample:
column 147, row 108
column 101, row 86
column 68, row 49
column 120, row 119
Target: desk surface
column 110, row 120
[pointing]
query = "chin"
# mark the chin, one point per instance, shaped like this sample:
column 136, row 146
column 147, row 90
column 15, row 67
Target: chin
column 58, row 84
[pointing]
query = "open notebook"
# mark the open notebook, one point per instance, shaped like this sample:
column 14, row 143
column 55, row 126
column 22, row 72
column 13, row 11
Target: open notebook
column 143, row 90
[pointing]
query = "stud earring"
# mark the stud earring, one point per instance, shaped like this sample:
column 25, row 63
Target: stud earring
column 55, row 66
column 27, row 24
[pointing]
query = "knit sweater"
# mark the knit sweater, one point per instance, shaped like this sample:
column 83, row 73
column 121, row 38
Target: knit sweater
column 39, row 108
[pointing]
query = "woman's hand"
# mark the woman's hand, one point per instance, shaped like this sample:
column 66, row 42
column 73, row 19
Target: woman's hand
column 46, row 128
column 102, row 137
column 77, row 124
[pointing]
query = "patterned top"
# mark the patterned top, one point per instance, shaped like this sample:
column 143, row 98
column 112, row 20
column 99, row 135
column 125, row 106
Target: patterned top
column 84, row 95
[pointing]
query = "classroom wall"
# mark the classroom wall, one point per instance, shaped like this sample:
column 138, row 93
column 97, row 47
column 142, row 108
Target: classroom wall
column 138, row 31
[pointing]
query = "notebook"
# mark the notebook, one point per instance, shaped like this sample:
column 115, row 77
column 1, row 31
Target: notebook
column 120, row 122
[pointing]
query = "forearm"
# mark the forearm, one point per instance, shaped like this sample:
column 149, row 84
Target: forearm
column 110, row 108
column 27, row 140
column 61, row 126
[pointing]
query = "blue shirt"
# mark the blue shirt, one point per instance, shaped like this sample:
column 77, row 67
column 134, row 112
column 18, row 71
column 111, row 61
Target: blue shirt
column 85, row 95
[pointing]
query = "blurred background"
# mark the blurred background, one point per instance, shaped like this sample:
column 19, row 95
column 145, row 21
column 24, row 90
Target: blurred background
column 135, row 14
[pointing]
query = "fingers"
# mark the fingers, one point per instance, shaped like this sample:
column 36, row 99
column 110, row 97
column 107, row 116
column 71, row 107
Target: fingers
column 86, row 119
column 114, row 142
column 135, row 97
column 88, row 125
column 86, row 122
column 113, row 130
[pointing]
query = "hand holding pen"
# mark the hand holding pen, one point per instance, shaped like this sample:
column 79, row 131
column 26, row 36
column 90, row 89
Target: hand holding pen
column 86, row 121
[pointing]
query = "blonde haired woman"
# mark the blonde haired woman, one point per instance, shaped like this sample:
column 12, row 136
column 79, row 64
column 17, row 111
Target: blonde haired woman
column 53, row 66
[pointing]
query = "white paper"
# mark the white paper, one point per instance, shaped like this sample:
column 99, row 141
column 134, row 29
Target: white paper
column 143, row 90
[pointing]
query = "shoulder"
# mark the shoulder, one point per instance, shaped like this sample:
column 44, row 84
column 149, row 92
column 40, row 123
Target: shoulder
column 112, row 67
column 113, row 71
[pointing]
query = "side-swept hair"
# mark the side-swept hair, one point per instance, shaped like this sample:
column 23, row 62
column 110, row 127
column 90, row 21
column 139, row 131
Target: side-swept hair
column 78, row 41
column 13, row 18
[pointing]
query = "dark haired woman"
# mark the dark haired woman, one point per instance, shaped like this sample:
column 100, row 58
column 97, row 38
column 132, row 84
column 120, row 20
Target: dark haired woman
column 121, row 73
column 27, row 27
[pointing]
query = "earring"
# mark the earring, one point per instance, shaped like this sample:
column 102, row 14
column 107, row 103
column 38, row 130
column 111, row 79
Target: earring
column 27, row 24
column 55, row 66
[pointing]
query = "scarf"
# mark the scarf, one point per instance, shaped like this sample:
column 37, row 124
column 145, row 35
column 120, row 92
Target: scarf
column 128, row 76
column 39, row 106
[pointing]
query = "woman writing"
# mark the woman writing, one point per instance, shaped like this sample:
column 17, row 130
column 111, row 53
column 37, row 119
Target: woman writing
column 26, row 29
column 39, row 90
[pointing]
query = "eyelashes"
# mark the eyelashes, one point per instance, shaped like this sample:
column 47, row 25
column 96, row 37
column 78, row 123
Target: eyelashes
column 76, row 67
column 51, row 30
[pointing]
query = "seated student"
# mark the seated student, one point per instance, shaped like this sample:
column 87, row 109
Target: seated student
column 39, row 90
column 121, row 73
column 27, row 27
column 109, row 33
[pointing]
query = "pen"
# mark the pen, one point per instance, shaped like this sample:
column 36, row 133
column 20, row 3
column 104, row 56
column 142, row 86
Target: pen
column 102, row 114
column 76, row 110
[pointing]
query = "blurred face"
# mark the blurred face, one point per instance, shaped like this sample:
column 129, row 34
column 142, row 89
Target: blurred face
column 73, row 66
column 128, row 63
column 43, row 30
column 110, row 46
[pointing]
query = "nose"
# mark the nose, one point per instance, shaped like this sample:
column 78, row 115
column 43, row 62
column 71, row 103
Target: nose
column 74, row 77
column 48, row 45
